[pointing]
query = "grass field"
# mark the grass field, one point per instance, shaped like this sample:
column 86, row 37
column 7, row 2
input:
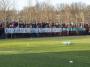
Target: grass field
column 45, row 52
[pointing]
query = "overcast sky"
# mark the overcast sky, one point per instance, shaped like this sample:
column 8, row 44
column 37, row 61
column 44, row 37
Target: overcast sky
column 22, row 3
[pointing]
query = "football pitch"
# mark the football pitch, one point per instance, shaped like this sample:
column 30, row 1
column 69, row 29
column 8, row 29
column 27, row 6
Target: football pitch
column 45, row 52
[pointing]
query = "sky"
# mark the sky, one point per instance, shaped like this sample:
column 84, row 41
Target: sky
column 22, row 3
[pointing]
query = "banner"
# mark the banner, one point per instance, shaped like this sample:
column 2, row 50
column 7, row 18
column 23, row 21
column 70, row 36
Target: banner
column 56, row 30
column 41, row 30
column 34, row 30
column 44, row 30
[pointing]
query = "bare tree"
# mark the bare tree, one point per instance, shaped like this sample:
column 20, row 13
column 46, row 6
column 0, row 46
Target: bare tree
column 76, row 12
column 6, row 7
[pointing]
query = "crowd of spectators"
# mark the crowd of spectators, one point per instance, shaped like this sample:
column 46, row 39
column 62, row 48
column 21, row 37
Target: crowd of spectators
column 15, row 24
column 47, row 25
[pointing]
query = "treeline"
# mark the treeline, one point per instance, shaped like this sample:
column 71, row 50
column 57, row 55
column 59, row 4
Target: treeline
column 44, row 12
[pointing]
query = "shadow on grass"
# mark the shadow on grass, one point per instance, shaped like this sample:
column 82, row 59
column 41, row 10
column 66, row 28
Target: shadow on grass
column 53, row 59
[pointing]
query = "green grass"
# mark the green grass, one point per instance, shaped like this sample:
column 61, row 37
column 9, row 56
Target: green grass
column 45, row 52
